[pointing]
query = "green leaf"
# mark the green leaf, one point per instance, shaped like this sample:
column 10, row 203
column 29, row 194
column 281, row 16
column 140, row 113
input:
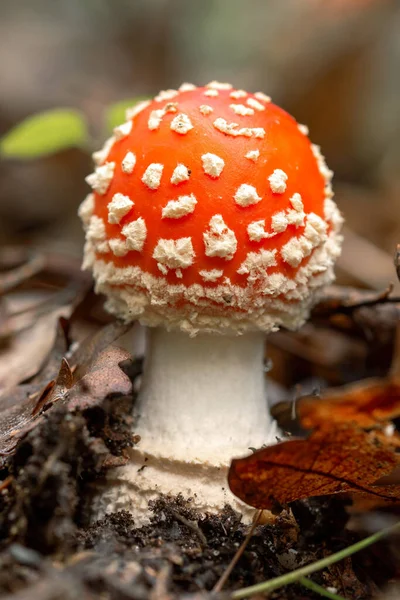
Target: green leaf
column 45, row 133
column 115, row 114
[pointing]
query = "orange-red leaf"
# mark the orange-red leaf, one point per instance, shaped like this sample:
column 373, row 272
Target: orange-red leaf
column 367, row 403
column 330, row 461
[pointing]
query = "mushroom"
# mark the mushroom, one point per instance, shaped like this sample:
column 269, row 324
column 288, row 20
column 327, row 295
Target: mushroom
column 211, row 221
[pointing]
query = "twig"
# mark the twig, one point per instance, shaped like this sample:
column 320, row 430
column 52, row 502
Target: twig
column 339, row 299
column 318, row 589
column 397, row 261
column 5, row 483
column 383, row 298
column 33, row 263
column 294, row 576
column 224, row 577
column 191, row 525
column 395, row 365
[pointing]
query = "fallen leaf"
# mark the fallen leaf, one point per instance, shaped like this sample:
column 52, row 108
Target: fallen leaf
column 21, row 411
column 104, row 379
column 33, row 326
column 16, row 418
column 367, row 403
column 17, row 404
column 91, row 347
column 55, row 390
column 331, row 461
column 51, row 364
column 20, row 265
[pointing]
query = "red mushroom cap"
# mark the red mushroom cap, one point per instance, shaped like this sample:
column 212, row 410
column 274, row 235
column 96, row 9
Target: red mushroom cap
column 211, row 211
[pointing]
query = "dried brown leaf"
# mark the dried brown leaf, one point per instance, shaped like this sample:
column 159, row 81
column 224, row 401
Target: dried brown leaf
column 33, row 334
column 55, row 390
column 16, row 416
column 27, row 350
column 331, row 461
column 21, row 264
column 88, row 351
column 20, row 413
column 104, row 379
column 60, row 347
column 367, row 403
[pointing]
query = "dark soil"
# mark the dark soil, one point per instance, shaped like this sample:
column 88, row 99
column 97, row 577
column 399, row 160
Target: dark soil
column 49, row 552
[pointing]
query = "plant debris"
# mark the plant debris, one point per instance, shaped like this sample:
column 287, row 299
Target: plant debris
column 65, row 418
column 365, row 403
column 332, row 460
column 104, row 378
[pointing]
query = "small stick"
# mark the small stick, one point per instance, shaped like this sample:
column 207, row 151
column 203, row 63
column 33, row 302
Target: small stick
column 224, row 577
column 395, row 366
column 397, row 261
column 5, row 483
column 191, row 525
column 33, row 263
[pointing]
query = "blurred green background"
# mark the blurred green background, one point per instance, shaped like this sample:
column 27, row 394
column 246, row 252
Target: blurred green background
column 333, row 64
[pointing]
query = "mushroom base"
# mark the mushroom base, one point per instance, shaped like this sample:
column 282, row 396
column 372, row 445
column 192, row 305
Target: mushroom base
column 145, row 478
column 202, row 402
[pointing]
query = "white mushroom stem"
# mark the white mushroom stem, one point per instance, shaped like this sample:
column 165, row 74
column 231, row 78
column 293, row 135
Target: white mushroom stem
column 202, row 399
column 202, row 402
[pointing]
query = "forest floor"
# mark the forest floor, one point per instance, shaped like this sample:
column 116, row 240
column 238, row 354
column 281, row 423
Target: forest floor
column 67, row 396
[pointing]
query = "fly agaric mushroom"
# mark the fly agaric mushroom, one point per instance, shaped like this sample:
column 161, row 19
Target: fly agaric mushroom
column 212, row 222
